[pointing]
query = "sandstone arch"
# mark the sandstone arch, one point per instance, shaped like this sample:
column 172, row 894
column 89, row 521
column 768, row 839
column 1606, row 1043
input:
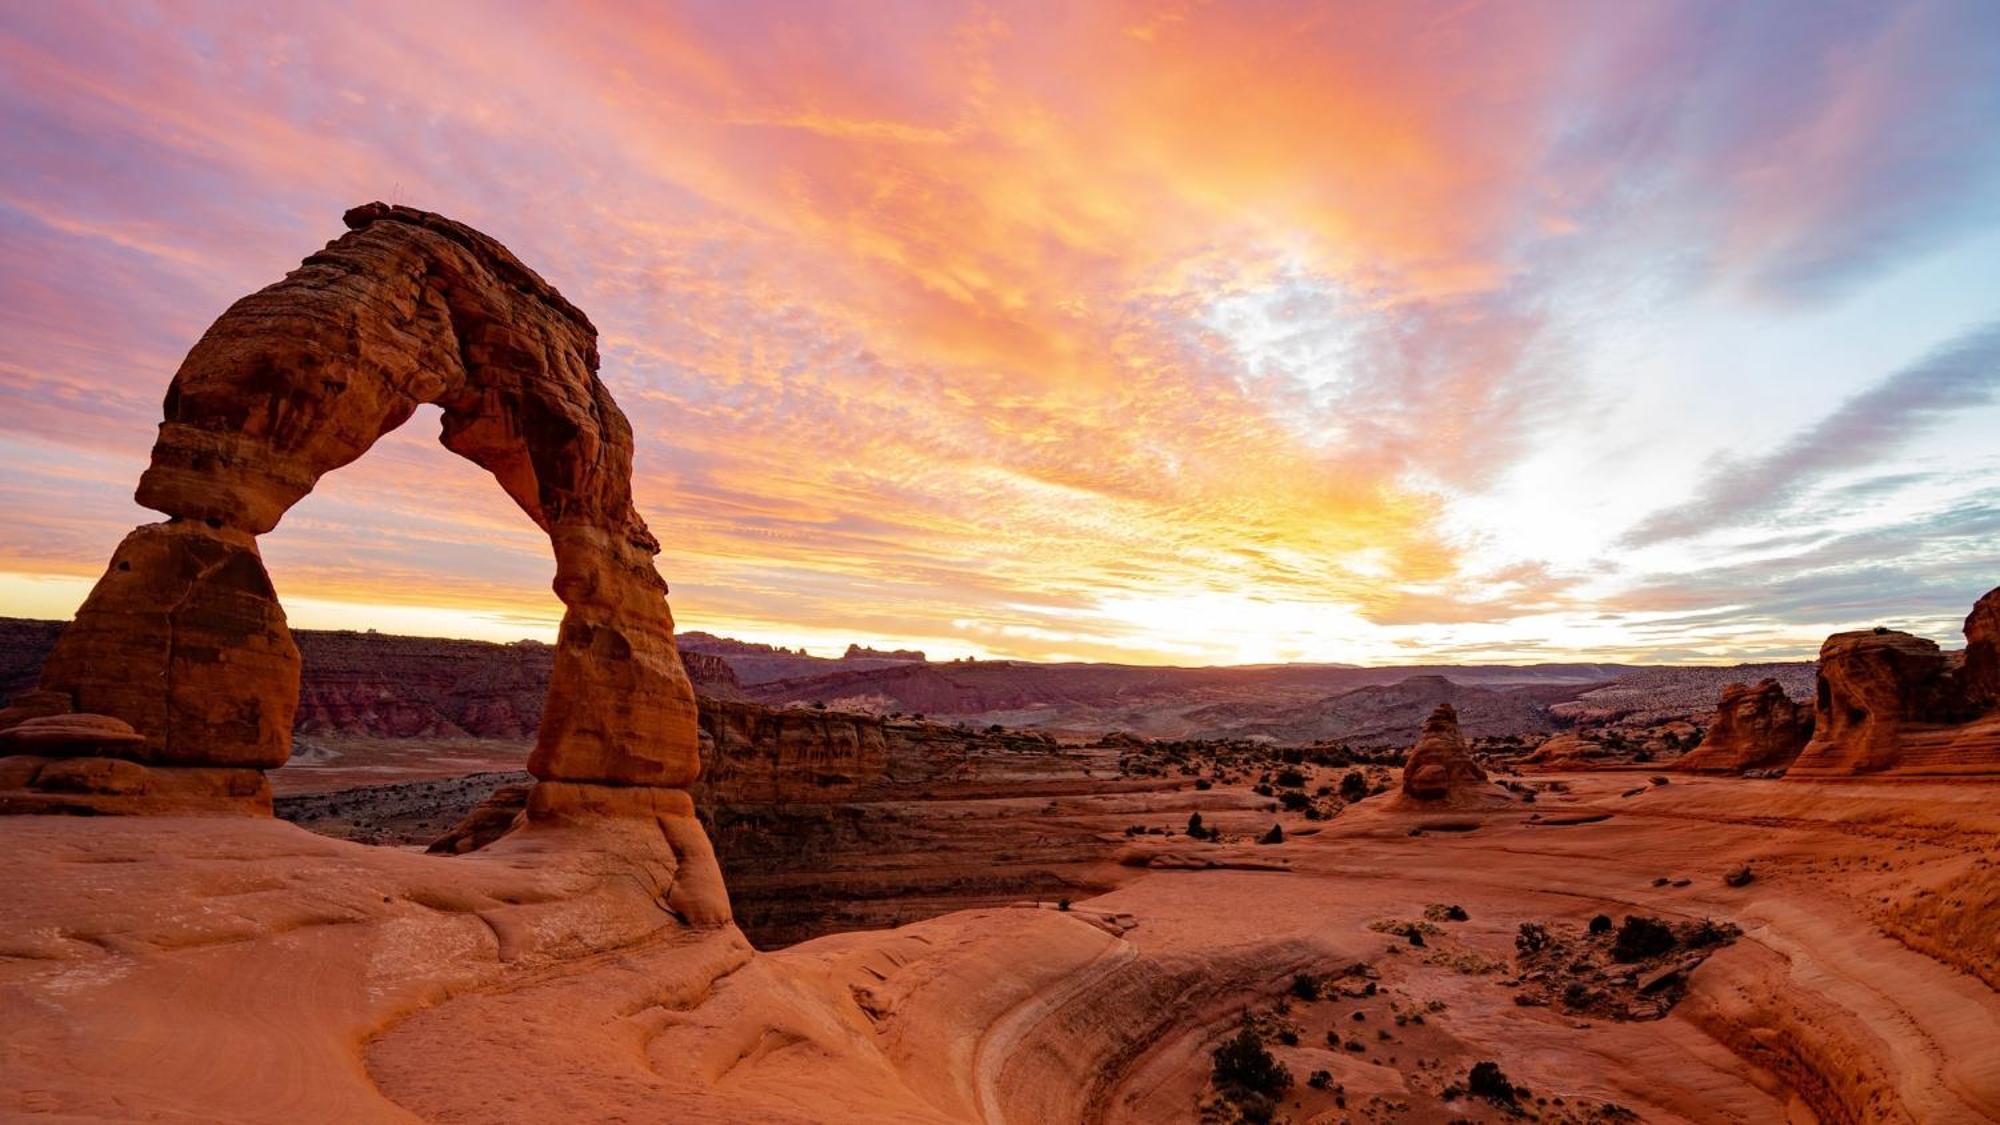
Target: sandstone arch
column 183, row 638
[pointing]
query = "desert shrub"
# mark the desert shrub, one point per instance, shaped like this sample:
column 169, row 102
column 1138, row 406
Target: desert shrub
column 1487, row 1081
column 1353, row 786
column 1263, row 789
column 1601, row 924
column 1290, row 779
column 1243, row 1064
column 1707, row 932
column 1306, row 986
column 1641, row 937
column 1203, row 783
column 1294, row 800
column 1320, row 1080
column 1194, row 826
column 1256, row 1109
column 1532, row 938
column 1275, row 836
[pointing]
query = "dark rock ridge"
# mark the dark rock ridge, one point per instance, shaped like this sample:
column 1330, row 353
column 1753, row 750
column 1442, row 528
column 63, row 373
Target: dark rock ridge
column 377, row 685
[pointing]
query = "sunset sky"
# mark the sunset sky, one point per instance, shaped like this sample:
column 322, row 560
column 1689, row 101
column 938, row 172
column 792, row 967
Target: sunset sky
column 1177, row 333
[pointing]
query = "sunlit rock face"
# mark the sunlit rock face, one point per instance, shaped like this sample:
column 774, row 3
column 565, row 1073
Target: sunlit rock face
column 183, row 637
column 1441, row 761
column 1981, row 673
column 1754, row 728
column 1892, row 702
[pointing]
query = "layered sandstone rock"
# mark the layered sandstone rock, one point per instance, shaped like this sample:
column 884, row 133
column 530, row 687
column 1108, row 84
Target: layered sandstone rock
column 1981, row 672
column 1440, row 770
column 1754, row 728
column 1889, row 702
column 183, row 637
column 761, row 755
column 1567, row 751
column 1875, row 688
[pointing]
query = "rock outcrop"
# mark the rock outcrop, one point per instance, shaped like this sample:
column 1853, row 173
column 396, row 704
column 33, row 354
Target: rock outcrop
column 761, row 755
column 1569, row 750
column 183, row 637
column 1981, row 671
column 1440, row 771
column 1890, row 702
column 1754, row 728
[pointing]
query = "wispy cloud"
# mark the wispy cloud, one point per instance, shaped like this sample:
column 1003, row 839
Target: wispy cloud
column 1117, row 335
column 1866, row 428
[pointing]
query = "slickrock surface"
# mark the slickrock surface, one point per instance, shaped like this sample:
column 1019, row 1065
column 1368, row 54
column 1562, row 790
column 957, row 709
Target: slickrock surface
column 248, row 970
column 1754, row 728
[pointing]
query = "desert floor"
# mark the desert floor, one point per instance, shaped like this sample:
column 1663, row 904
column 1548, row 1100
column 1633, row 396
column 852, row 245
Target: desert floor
column 188, row 969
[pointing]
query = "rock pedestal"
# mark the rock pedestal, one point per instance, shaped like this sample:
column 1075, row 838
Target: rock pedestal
column 183, row 638
column 1440, row 771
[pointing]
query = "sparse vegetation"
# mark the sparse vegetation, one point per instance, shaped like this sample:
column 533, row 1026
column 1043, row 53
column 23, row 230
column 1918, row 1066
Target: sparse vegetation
column 1488, row 1081
column 1641, row 937
column 1244, row 1066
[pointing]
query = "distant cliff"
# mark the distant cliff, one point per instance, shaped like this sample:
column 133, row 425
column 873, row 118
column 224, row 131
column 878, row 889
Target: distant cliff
column 378, row 685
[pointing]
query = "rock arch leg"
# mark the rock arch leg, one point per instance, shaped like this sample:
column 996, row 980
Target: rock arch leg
column 177, row 683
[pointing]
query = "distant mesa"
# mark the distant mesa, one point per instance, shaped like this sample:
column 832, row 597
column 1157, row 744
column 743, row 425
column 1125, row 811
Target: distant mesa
column 1755, row 728
column 694, row 640
column 861, row 652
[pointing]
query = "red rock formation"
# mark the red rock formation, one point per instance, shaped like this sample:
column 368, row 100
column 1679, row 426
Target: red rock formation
column 183, row 637
column 1892, row 702
column 757, row 754
column 1754, row 728
column 1981, row 673
column 1440, row 770
column 1874, row 685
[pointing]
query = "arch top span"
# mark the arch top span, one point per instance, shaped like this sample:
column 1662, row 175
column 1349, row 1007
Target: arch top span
column 183, row 637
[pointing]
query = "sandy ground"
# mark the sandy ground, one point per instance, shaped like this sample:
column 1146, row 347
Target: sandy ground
column 245, row 970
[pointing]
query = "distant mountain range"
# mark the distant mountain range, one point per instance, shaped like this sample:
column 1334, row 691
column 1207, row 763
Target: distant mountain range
column 381, row 685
